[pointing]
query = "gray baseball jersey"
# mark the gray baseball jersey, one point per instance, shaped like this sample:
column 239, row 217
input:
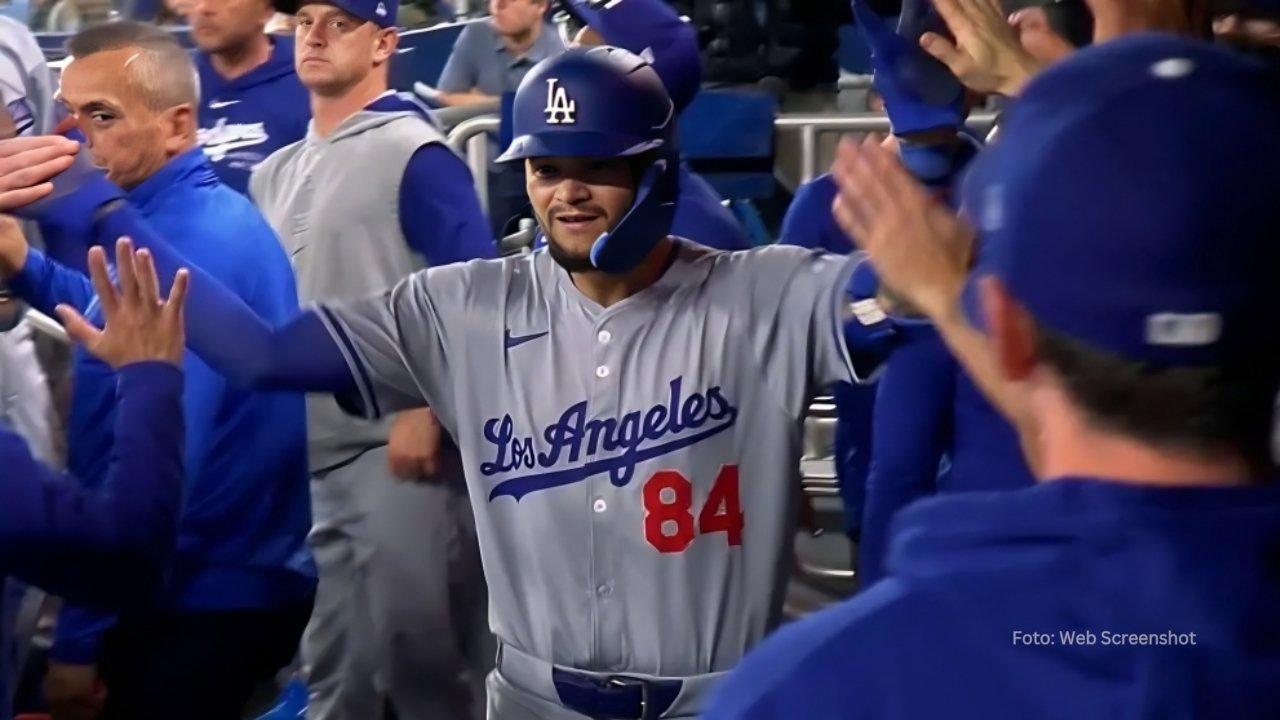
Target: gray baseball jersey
column 633, row 469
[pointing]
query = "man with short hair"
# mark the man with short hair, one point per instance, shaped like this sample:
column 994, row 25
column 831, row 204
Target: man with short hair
column 1132, row 346
column 241, row 587
column 489, row 59
column 251, row 103
column 401, row 608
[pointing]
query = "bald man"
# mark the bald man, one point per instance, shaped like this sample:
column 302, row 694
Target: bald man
column 242, row 584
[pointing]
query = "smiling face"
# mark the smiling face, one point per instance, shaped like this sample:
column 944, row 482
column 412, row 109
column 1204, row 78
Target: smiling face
column 578, row 199
column 130, row 134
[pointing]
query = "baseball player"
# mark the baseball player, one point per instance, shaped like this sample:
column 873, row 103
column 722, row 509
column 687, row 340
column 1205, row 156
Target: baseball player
column 1137, row 579
column 653, row 30
column 885, row 463
column 251, row 102
column 933, row 432
column 629, row 407
column 401, row 594
column 808, row 223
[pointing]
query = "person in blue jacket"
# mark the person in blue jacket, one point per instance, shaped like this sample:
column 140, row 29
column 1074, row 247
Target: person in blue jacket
column 251, row 100
column 106, row 549
column 1132, row 346
column 242, row 586
column 653, row 30
column 808, row 223
column 899, row 437
column 934, row 432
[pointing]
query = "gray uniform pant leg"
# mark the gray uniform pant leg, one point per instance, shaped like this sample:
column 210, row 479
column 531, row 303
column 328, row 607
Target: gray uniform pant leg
column 429, row 599
column 338, row 656
column 401, row 610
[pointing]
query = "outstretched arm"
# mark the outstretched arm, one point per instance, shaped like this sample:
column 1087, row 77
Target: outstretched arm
column 104, row 547
column 650, row 28
column 101, row 548
column 41, row 282
column 301, row 355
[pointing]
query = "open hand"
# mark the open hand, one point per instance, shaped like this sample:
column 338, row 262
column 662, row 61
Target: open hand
column 139, row 325
column 985, row 54
column 917, row 245
column 26, row 166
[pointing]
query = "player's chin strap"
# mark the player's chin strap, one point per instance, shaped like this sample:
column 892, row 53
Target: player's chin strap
column 647, row 222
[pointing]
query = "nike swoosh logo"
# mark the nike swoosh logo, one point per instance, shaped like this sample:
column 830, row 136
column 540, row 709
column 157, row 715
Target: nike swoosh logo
column 220, row 105
column 514, row 340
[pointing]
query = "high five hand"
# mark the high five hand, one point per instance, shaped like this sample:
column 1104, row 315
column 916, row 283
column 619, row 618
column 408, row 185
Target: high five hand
column 140, row 326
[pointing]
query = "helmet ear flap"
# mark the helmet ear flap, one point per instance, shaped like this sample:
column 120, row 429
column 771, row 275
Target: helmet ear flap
column 646, row 223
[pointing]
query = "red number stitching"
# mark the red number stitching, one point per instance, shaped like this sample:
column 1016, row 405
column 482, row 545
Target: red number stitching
column 668, row 520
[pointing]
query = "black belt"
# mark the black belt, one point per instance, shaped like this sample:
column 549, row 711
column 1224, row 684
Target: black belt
column 615, row 697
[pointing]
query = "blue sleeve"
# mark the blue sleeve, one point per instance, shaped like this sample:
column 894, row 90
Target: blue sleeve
column 459, row 73
column 440, row 213
column 912, row 430
column 809, row 222
column 299, row 355
column 852, row 442
column 44, row 284
column 652, row 25
column 703, row 218
column 108, row 548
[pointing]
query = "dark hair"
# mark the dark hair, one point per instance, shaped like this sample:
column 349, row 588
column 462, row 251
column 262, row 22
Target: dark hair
column 1208, row 412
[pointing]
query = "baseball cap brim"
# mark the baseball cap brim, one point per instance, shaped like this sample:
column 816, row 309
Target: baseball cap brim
column 576, row 144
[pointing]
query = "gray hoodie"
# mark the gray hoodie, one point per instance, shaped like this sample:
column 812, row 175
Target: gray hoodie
column 334, row 203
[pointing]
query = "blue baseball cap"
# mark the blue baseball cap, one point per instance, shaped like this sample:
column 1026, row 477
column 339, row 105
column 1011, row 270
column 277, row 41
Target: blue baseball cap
column 379, row 12
column 1132, row 202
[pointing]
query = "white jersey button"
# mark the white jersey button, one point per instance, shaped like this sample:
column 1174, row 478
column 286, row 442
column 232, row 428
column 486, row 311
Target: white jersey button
column 604, row 590
column 604, row 337
column 602, row 371
column 599, row 505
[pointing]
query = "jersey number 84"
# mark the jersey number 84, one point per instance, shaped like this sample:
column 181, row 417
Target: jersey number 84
column 669, row 525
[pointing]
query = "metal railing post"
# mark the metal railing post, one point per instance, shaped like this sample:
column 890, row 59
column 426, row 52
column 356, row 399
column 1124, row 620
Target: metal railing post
column 470, row 139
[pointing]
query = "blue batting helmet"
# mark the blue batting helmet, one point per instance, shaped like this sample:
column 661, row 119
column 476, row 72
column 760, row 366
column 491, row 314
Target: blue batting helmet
column 604, row 102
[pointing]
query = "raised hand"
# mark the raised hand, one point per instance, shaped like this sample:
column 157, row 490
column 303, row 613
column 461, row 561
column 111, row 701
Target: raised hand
column 985, row 53
column 917, row 244
column 140, row 326
column 26, row 166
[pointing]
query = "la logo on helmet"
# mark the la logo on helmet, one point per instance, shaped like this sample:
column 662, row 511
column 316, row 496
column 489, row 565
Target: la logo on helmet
column 560, row 109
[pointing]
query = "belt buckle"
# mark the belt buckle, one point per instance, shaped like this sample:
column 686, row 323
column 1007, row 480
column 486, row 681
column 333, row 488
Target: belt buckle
column 622, row 681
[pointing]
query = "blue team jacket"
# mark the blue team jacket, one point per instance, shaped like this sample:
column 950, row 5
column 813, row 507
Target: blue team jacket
column 809, row 223
column 1073, row 599
column 242, row 121
column 103, row 549
column 247, row 510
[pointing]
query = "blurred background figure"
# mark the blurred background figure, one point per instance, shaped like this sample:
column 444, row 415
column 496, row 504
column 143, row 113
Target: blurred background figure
column 489, row 60
column 1252, row 26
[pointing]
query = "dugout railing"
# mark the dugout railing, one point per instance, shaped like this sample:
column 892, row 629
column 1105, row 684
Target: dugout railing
column 471, row 138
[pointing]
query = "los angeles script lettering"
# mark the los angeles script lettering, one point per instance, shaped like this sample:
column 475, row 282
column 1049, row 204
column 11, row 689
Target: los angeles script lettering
column 573, row 437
